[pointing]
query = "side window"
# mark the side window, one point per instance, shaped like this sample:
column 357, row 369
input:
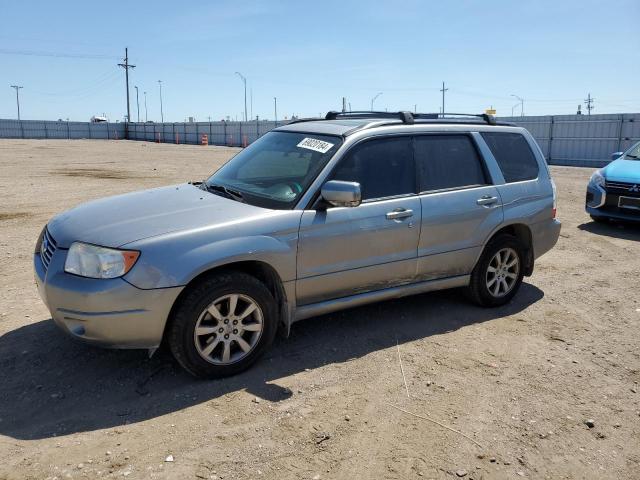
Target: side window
column 384, row 167
column 513, row 154
column 447, row 161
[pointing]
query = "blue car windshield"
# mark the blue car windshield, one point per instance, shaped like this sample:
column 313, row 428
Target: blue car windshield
column 275, row 170
column 633, row 153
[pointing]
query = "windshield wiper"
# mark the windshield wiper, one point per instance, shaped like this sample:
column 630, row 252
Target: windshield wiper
column 229, row 192
column 631, row 156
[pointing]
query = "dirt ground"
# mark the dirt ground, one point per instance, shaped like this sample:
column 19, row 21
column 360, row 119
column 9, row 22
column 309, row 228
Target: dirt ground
column 490, row 393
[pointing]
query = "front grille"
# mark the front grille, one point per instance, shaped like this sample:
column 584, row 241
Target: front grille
column 623, row 188
column 47, row 248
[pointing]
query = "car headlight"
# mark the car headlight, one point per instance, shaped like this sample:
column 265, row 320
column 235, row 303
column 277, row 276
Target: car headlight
column 93, row 261
column 597, row 179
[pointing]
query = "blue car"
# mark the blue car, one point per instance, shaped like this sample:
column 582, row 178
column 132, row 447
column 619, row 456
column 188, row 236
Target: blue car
column 614, row 191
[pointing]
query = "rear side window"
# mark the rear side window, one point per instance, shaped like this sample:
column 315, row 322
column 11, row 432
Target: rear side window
column 513, row 154
column 447, row 161
column 383, row 167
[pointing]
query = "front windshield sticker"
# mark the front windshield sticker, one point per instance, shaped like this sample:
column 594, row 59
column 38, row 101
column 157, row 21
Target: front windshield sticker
column 315, row 145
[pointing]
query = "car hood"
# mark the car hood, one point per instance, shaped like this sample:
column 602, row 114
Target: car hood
column 115, row 221
column 623, row 170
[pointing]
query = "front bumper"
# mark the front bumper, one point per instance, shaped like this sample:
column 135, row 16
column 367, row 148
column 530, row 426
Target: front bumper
column 600, row 203
column 109, row 313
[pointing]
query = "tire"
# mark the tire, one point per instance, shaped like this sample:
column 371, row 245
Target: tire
column 598, row 219
column 480, row 290
column 207, row 305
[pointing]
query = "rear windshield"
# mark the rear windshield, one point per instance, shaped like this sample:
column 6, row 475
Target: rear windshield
column 276, row 170
column 513, row 154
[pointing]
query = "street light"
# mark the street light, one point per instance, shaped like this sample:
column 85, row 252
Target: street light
column 521, row 104
column 137, row 102
column 244, row 80
column 516, row 105
column 275, row 110
column 161, row 112
column 146, row 113
column 17, row 87
column 374, row 99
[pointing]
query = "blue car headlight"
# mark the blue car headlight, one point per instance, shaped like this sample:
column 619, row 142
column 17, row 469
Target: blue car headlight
column 597, row 179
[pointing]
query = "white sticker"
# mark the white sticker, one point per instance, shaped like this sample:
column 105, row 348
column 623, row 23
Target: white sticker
column 315, row 145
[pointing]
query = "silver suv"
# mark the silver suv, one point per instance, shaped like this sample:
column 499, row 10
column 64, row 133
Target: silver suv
column 316, row 216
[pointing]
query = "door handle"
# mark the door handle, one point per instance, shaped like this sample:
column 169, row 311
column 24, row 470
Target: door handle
column 399, row 213
column 487, row 200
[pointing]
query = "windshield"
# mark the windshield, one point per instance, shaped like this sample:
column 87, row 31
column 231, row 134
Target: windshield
column 633, row 153
column 276, row 170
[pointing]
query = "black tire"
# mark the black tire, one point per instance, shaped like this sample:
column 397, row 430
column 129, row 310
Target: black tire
column 181, row 329
column 598, row 219
column 477, row 291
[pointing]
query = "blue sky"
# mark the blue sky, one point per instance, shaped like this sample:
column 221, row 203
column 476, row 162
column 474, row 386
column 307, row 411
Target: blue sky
column 311, row 54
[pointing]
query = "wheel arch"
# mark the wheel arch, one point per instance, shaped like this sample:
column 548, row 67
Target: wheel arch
column 258, row 269
column 523, row 233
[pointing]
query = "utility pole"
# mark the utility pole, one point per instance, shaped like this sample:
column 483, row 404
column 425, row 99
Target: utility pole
column 146, row 113
column 589, row 101
column 344, row 104
column 521, row 104
column 17, row 87
column 161, row 112
column 443, row 90
column 244, row 80
column 275, row 109
column 374, row 99
column 126, row 67
column 137, row 103
column 251, row 102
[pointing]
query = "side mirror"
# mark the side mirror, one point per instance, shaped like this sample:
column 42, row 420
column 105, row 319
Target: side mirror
column 341, row 194
column 616, row 155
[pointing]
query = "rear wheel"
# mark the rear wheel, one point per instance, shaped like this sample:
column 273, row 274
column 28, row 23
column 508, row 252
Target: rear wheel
column 498, row 274
column 222, row 325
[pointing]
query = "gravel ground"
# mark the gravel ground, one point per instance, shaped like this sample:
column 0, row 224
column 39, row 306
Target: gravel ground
column 499, row 393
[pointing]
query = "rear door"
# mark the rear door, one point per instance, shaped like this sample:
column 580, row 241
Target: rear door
column 347, row 250
column 460, row 204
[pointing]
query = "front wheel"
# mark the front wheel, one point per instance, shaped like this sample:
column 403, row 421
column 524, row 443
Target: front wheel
column 222, row 325
column 599, row 219
column 498, row 274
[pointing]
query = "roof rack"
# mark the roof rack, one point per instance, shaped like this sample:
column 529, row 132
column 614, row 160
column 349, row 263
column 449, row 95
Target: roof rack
column 407, row 117
column 489, row 119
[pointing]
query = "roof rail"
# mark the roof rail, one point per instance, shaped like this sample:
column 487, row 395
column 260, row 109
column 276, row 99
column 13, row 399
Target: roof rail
column 490, row 119
column 405, row 117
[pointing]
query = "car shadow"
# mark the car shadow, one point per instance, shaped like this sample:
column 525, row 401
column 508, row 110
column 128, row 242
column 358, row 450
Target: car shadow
column 615, row 229
column 53, row 385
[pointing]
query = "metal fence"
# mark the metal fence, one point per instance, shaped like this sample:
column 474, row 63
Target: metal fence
column 582, row 140
column 236, row 134
column 70, row 130
column 578, row 140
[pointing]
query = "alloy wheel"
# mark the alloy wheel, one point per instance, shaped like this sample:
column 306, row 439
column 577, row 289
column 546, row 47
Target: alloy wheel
column 228, row 329
column 502, row 272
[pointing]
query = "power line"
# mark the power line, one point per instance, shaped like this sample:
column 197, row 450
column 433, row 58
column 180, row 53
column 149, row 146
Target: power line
column 589, row 100
column 126, row 67
column 443, row 91
column 37, row 53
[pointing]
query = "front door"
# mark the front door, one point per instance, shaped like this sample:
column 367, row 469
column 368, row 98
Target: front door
column 348, row 250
